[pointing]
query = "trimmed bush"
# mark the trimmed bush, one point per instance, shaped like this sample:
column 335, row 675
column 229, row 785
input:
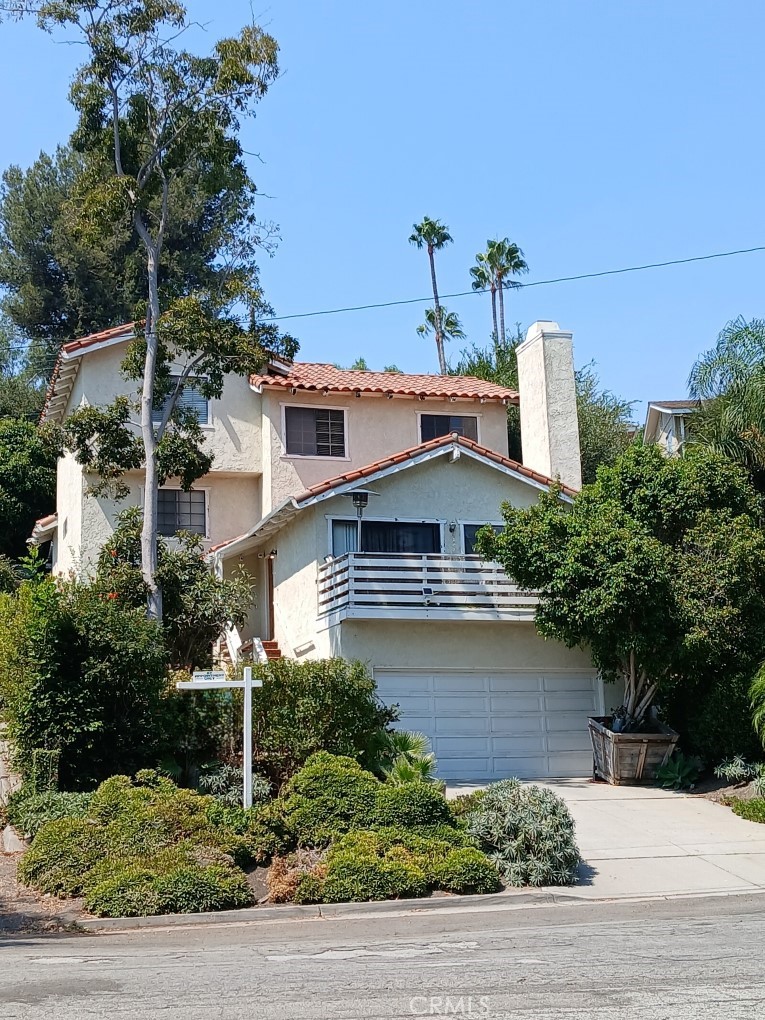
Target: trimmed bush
column 466, row 802
column 528, row 833
column 360, row 877
column 148, row 847
column 29, row 811
column 331, row 795
column 466, row 870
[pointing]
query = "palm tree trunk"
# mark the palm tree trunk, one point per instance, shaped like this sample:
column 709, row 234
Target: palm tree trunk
column 494, row 312
column 502, row 311
column 437, row 306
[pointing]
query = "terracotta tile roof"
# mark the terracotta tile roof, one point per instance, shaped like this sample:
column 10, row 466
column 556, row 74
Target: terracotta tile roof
column 125, row 329
column 415, row 451
column 316, row 377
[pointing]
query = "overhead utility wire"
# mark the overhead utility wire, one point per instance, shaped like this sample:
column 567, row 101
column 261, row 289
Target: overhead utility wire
column 518, row 286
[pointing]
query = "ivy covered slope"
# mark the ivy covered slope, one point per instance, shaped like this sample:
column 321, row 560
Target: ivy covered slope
column 334, row 833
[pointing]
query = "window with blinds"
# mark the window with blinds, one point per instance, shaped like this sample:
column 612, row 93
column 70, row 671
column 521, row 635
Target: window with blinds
column 181, row 511
column 434, row 425
column 190, row 399
column 314, row 432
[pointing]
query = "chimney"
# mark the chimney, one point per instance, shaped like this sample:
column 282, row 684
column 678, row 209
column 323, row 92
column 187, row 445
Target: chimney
column 549, row 422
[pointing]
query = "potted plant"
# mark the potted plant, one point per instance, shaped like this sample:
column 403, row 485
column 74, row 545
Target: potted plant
column 658, row 569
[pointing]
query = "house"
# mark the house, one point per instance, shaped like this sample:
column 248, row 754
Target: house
column 666, row 424
column 353, row 498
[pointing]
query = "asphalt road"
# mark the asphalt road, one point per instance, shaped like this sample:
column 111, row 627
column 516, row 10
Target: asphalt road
column 667, row 960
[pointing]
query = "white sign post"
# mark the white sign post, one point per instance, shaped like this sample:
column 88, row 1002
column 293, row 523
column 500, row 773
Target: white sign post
column 215, row 680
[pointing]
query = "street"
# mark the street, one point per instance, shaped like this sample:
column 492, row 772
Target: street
column 690, row 959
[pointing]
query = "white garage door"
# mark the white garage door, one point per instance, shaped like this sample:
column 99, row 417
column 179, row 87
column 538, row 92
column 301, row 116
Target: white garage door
column 491, row 725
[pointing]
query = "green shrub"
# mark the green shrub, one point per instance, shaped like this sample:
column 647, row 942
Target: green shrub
column 466, row 802
column 329, row 795
column 465, row 870
column 305, row 707
column 148, row 847
column 82, row 674
column 714, row 717
column 528, row 833
column 411, row 806
column 753, row 810
column 680, row 772
column 356, row 875
column 29, row 811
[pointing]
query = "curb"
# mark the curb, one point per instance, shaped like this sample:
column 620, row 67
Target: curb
column 514, row 899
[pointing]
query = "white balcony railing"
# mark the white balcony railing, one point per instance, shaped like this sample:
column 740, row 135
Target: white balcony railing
column 415, row 586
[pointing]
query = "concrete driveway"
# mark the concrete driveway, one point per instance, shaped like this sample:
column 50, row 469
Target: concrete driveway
column 643, row 841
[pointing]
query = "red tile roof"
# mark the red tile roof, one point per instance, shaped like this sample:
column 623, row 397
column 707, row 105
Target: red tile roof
column 126, row 329
column 415, row 451
column 317, row 377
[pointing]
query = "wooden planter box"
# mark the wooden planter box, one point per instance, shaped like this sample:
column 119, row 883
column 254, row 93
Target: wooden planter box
column 622, row 758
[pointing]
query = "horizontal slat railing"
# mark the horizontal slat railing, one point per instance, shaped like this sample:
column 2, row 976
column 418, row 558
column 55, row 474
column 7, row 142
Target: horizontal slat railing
column 406, row 581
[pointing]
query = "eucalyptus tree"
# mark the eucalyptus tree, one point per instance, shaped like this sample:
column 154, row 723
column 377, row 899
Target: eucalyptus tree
column 148, row 110
column 433, row 235
column 729, row 383
column 442, row 323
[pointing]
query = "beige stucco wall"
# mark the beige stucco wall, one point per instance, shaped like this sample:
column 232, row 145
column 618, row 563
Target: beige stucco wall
column 450, row 492
column 375, row 427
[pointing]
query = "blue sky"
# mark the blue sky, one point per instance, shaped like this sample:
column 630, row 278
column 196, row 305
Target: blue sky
column 595, row 133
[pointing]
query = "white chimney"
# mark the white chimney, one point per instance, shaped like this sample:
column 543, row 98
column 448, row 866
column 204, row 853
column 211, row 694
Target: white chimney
column 549, row 422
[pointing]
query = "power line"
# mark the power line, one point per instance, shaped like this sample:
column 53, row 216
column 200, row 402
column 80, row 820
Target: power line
column 471, row 293
column 519, row 286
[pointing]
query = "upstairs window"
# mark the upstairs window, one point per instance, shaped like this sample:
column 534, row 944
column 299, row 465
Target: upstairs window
column 434, row 425
column 190, row 399
column 469, row 532
column 181, row 511
column 386, row 537
column 314, row 432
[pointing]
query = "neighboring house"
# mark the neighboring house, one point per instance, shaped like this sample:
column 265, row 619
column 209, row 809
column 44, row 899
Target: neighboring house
column 666, row 424
column 356, row 497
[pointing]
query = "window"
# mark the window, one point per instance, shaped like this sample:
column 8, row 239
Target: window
column 386, row 537
column 190, row 399
column 314, row 432
column 469, row 532
column 181, row 511
column 434, row 425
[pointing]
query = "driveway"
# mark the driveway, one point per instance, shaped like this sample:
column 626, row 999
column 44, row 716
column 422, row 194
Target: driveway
column 643, row 841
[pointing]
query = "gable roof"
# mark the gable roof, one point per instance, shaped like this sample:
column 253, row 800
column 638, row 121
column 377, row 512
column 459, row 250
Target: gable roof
column 452, row 445
column 686, row 405
column 68, row 364
column 315, row 377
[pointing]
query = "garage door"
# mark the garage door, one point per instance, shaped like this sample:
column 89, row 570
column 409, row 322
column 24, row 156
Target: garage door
column 491, row 725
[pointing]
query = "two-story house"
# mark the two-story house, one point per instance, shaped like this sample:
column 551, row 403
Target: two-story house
column 353, row 498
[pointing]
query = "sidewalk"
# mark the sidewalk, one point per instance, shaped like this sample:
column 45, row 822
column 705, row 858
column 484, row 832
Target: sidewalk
column 644, row 841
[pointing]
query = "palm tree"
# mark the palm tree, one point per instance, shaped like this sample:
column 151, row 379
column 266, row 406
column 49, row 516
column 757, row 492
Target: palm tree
column 444, row 324
column 506, row 260
column 484, row 279
column 729, row 383
column 433, row 235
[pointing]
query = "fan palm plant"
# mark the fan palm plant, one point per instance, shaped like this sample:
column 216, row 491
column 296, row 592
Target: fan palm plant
column 507, row 261
column 484, row 279
column 444, row 324
column 729, row 383
column 433, row 236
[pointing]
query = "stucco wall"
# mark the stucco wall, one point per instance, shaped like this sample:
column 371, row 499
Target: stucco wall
column 375, row 427
column 451, row 492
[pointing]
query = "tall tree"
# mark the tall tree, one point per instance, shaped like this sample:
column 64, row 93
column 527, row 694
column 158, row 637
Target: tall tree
column 148, row 112
column 433, row 235
column 28, row 458
column 507, row 261
column 729, row 382
column 443, row 324
column 484, row 279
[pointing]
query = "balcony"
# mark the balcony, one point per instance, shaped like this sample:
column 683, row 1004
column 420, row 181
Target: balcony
column 413, row 586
